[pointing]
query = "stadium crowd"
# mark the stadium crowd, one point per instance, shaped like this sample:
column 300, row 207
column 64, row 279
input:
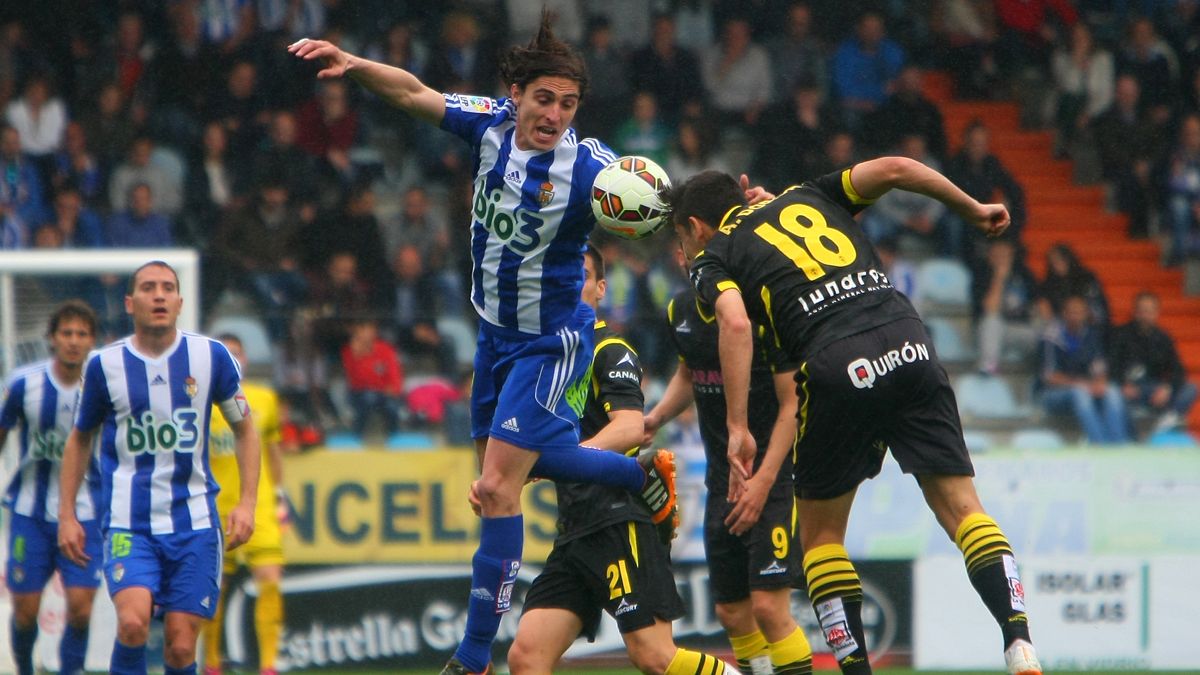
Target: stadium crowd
column 341, row 224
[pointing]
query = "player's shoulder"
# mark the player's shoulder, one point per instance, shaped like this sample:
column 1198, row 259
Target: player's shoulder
column 114, row 348
column 29, row 370
column 592, row 150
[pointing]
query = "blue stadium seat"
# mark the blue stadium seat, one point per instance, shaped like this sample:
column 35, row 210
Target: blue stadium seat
column 1177, row 438
column 948, row 341
column 410, row 440
column 343, row 440
column 945, row 283
column 251, row 332
column 1037, row 439
column 985, row 397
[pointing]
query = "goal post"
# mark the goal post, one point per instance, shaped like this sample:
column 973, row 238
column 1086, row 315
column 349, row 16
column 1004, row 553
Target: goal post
column 73, row 262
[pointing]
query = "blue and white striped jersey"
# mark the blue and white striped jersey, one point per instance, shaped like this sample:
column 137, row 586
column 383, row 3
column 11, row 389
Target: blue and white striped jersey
column 531, row 217
column 43, row 408
column 153, row 415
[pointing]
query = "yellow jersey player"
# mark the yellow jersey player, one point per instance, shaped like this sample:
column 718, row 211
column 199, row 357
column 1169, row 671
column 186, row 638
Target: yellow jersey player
column 264, row 552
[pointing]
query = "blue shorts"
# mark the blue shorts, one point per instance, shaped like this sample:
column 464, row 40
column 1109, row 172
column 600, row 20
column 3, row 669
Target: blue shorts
column 33, row 556
column 181, row 570
column 530, row 391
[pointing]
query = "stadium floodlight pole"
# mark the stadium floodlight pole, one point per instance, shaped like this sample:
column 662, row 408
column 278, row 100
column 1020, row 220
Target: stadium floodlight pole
column 186, row 262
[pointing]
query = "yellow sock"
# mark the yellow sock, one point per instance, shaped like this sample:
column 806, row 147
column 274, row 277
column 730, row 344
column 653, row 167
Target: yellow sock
column 981, row 541
column 687, row 662
column 746, row 647
column 268, row 622
column 792, row 655
column 212, row 634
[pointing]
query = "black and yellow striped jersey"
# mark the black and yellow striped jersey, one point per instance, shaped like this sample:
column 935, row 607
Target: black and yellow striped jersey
column 804, row 266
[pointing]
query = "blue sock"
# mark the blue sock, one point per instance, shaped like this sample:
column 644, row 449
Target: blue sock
column 493, row 575
column 127, row 660
column 589, row 465
column 190, row 670
column 72, row 650
column 22, row 646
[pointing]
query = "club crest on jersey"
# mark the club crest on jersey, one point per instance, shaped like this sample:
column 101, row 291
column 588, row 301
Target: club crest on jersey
column 189, row 386
column 546, row 194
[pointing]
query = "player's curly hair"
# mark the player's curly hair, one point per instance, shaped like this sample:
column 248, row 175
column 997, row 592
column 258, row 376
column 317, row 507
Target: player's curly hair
column 544, row 56
column 708, row 196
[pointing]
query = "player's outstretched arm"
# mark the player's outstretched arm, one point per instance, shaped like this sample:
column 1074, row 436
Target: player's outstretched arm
column 394, row 85
column 873, row 178
column 736, row 341
column 677, row 397
column 749, row 506
column 76, row 455
column 623, row 432
column 249, row 457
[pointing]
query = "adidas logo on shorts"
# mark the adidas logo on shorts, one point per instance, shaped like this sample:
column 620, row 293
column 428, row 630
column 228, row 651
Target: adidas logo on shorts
column 511, row 425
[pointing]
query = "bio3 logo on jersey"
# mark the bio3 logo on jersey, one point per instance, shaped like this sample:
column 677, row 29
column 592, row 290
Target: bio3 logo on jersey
column 150, row 434
column 47, row 445
column 518, row 229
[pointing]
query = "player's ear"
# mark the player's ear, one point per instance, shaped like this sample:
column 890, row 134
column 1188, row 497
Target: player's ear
column 514, row 91
column 601, row 289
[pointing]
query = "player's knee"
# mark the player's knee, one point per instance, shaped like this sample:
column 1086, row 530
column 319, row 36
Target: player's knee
column 25, row 617
column 772, row 612
column 524, row 659
column 79, row 616
column 133, row 628
column 497, row 496
column 735, row 617
column 651, row 658
column 179, row 654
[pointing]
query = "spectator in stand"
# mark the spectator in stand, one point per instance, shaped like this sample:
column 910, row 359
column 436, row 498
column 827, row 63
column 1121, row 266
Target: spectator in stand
column 416, row 309
column 1002, row 300
column 840, row 153
column 1183, row 192
column 40, row 119
column 109, row 129
column 797, row 55
column 695, row 149
column 183, row 57
column 1128, row 142
column 1150, row 60
column 21, row 195
column 79, row 226
column 737, row 74
column 17, row 58
column 328, row 126
column 337, row 297
column 139, row 226
column 1083, row 82
column 226, row 24
column 462, row 56
column 131, row 57
column 353, row 229
column 791, row 137
column 630, row 21
column 213, row 181
column 259, row 245
column 1147, row 366
column 374, row 377
column 77, row 166
column 667, row 70
column 1074, row 377
column 240, row 108
column 1027, row 31
column 644, row 133
column 608, row 86
column 525, row 17
column 140, row 168
column 907, row 112
column 915, row 217
column 1067, row 277
column 865, row 67
column 419, row 224
column 968, row 31
column 282, row 158
column 984, row 177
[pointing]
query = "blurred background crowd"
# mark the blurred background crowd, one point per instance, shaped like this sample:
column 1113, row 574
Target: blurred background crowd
column 333, row 230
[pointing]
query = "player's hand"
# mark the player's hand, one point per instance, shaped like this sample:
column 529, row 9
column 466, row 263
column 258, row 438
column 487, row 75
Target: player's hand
column 336, row 61
column 283, row 508
column 754, row 194
column 749, row 505
column 240, row 526
column 650, row 426
column 741, row 452
column 473, row 498
column 993, row 219
column 71, row 540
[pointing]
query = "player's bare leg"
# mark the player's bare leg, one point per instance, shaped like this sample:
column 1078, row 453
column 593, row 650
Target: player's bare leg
column 24, row 629
column 653, row 652
column 991, row 564
column 72, row 649
column 749, row 644
column 181, row 630
column 790, row 653
column 833, row 584
column 133, row 607
column 543, row 636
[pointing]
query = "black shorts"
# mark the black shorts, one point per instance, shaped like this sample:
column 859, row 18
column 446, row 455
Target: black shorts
column 865, row 394
column 622, row 569
column 765, row 558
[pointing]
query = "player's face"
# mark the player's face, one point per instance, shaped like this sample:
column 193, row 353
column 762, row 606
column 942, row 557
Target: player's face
column 691, row 238
column 71, row 342
column 545, row 109
column 593, row 289
column 155, row 302
column 236, row 351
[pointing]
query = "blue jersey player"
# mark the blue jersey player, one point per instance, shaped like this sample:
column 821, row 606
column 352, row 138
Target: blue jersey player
column 39, row 405
column 531, row 220
column 150, row 396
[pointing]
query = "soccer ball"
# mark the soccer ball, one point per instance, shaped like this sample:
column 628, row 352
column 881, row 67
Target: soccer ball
column 625, row 197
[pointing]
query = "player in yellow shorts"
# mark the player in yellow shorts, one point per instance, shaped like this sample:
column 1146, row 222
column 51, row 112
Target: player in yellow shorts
column 264, row 552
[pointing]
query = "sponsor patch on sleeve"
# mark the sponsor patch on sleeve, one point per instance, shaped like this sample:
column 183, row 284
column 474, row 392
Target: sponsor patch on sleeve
column 475, row 104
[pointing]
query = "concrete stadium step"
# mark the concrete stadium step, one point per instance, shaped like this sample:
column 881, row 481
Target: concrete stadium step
column 1063, row 195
